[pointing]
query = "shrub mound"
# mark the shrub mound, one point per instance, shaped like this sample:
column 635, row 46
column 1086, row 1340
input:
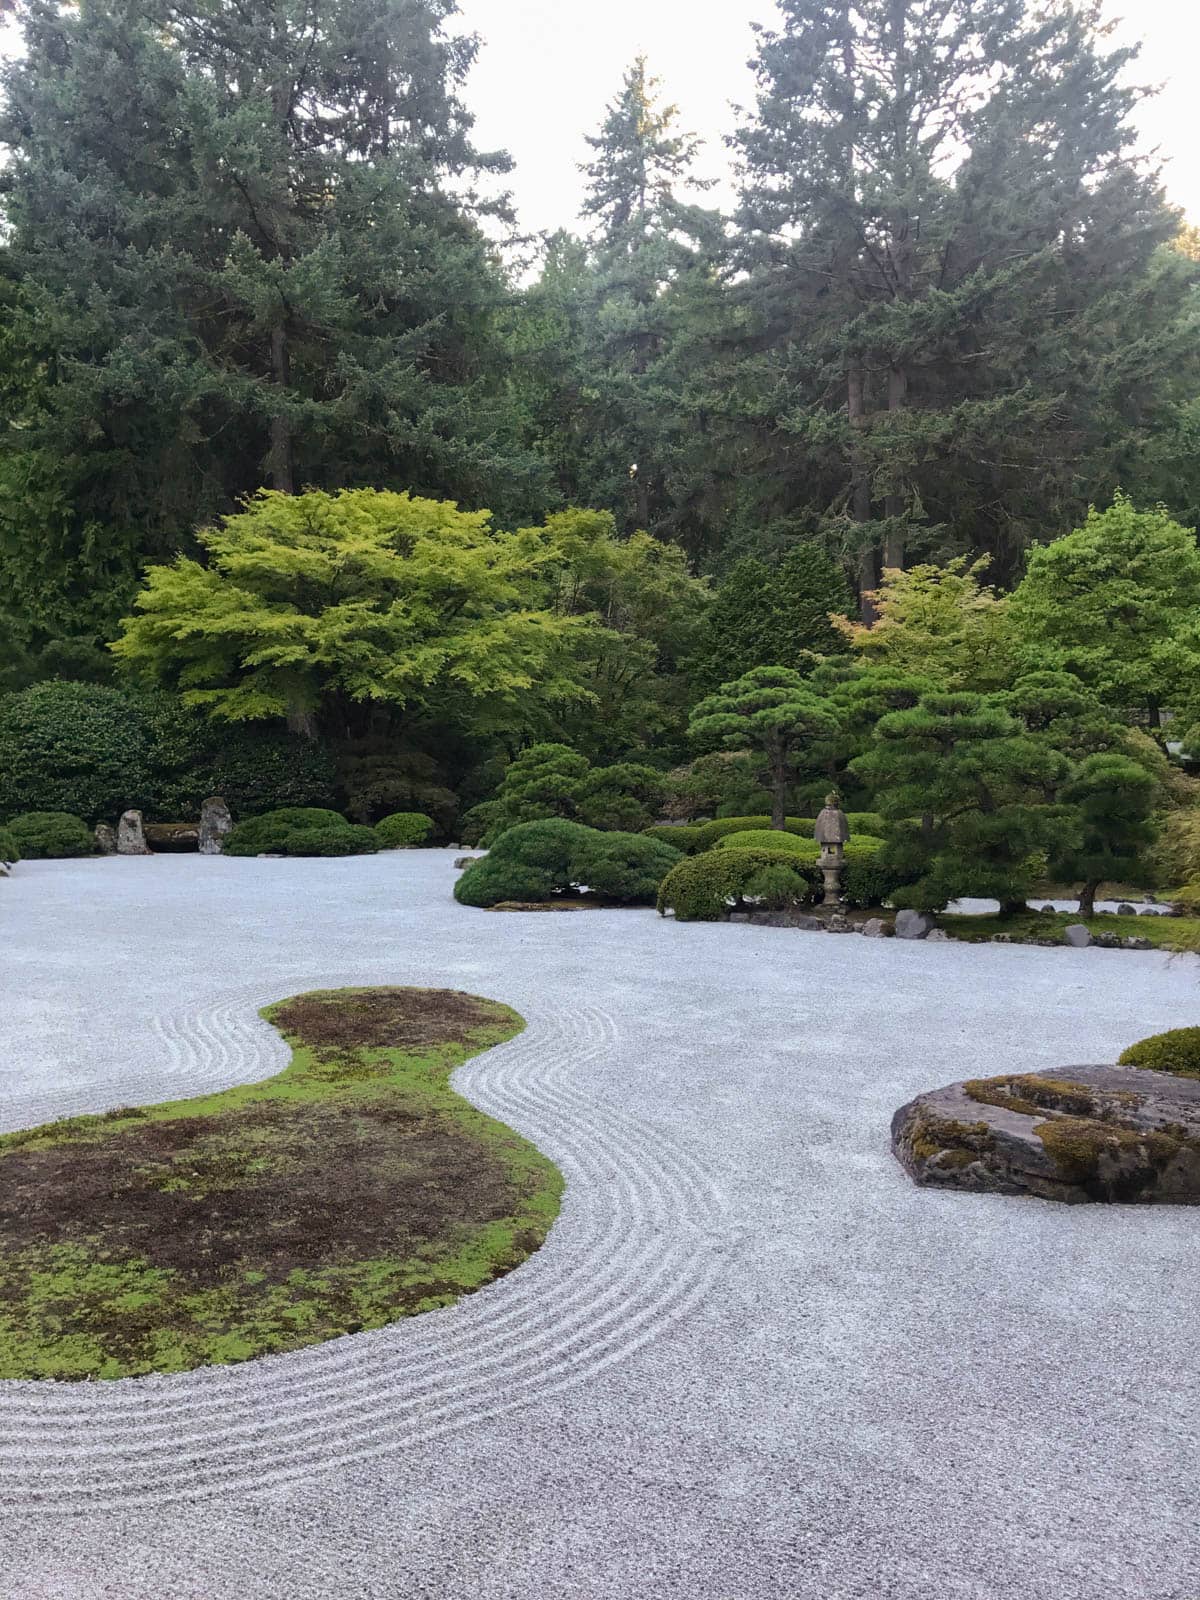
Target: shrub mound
column 698, row 836
column 403, row 828
column 9, row 849
column 1177, row 1050
column 351, row 1189
column 51, row 835
column 702, row 887
column 300, row 831
column 858, row 847
column 538, row 860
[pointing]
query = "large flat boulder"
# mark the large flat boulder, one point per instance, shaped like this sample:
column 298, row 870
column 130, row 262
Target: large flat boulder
column 1075, row 1134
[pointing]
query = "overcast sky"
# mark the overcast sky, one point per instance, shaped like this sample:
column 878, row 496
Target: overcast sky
column 548, row 68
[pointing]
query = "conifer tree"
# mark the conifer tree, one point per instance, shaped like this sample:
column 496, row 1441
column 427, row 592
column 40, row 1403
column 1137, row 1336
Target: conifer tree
column 236, row 260
column 947, row 237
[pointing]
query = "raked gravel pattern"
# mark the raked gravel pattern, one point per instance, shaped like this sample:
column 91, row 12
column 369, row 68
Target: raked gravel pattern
column 751, row 1360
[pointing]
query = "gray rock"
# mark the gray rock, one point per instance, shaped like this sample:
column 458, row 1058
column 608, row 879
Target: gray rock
column 131, row 836
column 1075, row 1134
column 106, row 839
column 874, row 928
column 215, row 823
column 1048, row 911
column 172, row 838
column 913, row 925
column 938, row 934
column 788, row 919
column 1136, row 942
column 465, row 861
column 1077, row 935
column 1124, row 909
column 1003, row 938
column 1108, row 941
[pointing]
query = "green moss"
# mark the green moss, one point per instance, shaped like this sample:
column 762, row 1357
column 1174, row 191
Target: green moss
column 1165, row 933
column 1177, row 1051
column 351, row 1189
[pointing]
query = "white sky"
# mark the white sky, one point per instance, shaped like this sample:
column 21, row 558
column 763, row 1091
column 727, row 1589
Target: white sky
column 549, row 67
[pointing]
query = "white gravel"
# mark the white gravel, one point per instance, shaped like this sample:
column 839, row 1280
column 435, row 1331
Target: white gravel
column 752, row 1359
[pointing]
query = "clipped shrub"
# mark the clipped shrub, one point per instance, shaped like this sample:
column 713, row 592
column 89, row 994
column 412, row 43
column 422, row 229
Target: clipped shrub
column 50, row 835
column 1177, row 1050
column 682, row 837
column 93, row 750
column 10, row 851
column 777, row 887
column 300, row 831
column 708, row 833
column 403, row 828
column 702, row 888
column 78, row 749
column 858, row 848
column 538, row 860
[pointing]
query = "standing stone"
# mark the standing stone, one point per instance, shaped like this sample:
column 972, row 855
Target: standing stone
column 215, row 823
column 1077, row 936
column 106, row 839
column 913, row 924
column 131, row 837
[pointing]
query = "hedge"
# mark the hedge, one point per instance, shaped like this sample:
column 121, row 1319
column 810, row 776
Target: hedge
column 51, row 835
column 697, row 836
column 538, row 860
column 1177, row 1050
column 300, row 831
column 701, row 887
column 403, row 828
column 9, row 849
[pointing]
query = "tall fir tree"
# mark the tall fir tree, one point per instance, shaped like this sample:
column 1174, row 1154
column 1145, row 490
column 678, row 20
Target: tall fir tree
column 952, row 329
column 239, row 253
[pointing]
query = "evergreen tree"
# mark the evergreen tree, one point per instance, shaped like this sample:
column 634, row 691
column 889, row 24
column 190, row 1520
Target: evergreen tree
column 770, row 710
column 766, row 616
column 235, row 258
column 946, row 238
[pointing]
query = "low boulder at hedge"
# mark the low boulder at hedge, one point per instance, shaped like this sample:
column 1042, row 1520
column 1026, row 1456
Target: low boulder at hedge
column 1077, row 1134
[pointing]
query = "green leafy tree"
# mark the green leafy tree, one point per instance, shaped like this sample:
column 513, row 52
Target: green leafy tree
column 317, row 607
column 971, row 798
column 243, row 246
column 1117, row 603
column 552, row 780
column 772, row 711
column 1114, row 799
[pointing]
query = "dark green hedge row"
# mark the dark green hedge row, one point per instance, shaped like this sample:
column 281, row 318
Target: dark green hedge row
column 93, row 751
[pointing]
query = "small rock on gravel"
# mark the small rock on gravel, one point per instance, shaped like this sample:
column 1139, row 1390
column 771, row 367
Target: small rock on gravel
column 913, row 925
column 1077, row 936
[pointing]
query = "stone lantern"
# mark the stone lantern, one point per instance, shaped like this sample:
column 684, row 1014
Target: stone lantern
column 831, row 832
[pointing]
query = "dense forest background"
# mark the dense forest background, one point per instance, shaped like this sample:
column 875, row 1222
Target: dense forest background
column 250, row 244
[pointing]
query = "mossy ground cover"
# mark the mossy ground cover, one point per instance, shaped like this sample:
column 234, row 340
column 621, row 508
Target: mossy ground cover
column 350, row 1190
column 1167, row 933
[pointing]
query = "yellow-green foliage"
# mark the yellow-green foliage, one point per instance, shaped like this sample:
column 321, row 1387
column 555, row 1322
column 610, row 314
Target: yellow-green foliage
column 1177, row 851
column 805, row 849
column 1177, row 1050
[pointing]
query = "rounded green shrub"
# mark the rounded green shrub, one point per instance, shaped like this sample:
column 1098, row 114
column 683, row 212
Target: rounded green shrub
column 50, row 835
column 708, row 833
column 538, row 860
column 776, row 887
column 10, row 851
column 680, row 837
column 792, row 844
column 702, row 888
column 1177, row 1050
column 403, row 828
column 300, row 831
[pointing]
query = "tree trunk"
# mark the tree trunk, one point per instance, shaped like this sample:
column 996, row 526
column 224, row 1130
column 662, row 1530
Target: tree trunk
column 279, row 462
column 893, row 549
column 303, row 722
column 779, row 792
column 860, row 492
column 1087, row 897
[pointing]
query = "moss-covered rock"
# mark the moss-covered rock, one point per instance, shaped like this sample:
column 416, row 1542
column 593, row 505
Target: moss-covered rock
column 1080, row 1134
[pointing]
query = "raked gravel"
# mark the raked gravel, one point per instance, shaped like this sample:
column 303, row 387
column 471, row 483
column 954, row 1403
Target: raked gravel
column 751, row 1360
